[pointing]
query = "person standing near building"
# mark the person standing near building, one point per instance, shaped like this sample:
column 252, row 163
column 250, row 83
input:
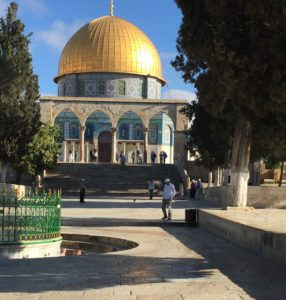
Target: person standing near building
column 71, row 159
column 161, row 157
column 82, row 191
column 133, row 157
column 153, row 157
column 168, row 196
column 95, row 155
column 193, row 189
column 116, row 157
column 164, row 156
column 151, row 188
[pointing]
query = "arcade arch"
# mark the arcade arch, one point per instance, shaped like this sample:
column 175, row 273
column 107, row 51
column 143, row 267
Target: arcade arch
column 130, row 135
column 161, row 137
column 98, row 137
column 70, row 130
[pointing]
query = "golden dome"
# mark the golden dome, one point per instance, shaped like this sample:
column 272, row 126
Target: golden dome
column 110, row 44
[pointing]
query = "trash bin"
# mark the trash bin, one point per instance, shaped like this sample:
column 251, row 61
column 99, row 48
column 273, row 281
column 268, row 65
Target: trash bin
column 191, row 216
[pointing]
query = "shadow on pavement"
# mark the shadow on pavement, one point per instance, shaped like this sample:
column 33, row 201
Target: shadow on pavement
column 95, row 271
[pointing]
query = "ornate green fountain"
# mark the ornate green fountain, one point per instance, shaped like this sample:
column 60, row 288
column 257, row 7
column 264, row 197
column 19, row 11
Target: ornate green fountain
column 30, row 225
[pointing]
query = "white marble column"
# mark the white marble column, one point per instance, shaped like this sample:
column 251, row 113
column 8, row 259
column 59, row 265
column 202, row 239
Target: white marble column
column 87, row 152
column 73, row 151
column 124, row 148
column 113, row 144
column 81, row 139
column 145, row 145
column 65, row 151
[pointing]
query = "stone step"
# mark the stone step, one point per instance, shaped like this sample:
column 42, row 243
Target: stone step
column 109, row 178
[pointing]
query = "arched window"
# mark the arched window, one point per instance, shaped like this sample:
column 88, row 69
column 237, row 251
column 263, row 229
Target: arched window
column 138, row 132
column 74, row 131
column 152, row 134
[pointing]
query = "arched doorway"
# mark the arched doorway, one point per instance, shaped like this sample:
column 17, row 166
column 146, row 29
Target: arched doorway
column 104, row 146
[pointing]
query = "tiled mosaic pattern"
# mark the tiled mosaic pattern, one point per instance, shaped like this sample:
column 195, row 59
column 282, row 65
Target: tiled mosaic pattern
column 109, row 85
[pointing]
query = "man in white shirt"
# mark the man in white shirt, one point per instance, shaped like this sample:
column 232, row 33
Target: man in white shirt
column 168, row 195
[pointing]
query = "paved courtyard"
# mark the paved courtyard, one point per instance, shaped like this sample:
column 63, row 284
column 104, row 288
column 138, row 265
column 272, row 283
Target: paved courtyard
column 172, row 261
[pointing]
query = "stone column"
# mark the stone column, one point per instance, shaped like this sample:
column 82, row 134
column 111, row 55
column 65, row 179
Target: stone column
column 145, row 145
column 73, row 154
column 65, row 151
column 81, row 141
column 87, row 151
column 113, row 144
column 210, row 180
column 124, row 148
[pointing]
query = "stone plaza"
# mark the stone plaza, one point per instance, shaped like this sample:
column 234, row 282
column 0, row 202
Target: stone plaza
column 172, row 260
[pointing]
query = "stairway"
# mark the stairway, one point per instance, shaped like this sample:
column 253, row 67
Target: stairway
column 110, row 179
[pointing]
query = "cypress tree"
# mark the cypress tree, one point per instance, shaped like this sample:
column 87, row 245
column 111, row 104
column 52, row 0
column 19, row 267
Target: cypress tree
column 234, row 51
column 19, row 91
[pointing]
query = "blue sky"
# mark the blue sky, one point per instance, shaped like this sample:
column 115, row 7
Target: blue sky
column 54, row 21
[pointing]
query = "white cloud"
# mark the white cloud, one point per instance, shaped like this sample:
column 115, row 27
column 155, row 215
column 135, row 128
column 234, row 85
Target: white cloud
column 3, row 6
column 58, row 34
column 179, row 95
column 37, row 6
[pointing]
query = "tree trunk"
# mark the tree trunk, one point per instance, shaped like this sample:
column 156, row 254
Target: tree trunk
column 240, row 160
column 4, row 171
column 281, row 173
column 210, row 181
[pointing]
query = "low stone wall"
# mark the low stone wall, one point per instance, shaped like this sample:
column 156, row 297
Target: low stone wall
column 269, row 244
column 258, row 196
column 14, row 189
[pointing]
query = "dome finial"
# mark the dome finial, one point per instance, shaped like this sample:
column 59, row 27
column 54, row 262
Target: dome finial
column 111, row 8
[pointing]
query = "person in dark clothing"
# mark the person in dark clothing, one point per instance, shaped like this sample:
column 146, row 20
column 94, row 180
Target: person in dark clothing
column 161, row 157
column 193, row 189
column 153, row 157
column 164, row 156
column 82, row 191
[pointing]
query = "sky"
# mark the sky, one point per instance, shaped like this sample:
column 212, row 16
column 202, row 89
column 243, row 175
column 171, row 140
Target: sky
column 53, row 22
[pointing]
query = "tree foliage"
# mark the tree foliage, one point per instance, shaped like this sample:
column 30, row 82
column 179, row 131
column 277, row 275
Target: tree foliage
column 226, row 48
column 19, row 112
column 42, row 151
column 210, row 138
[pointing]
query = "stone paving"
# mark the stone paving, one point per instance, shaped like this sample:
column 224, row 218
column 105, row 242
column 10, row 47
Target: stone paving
column 172, row 261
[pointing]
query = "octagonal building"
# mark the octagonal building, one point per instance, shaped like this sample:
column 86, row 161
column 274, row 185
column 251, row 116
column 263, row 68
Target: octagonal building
column 109, row 97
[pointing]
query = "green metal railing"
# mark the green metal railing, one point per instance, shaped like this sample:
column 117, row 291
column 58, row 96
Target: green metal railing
column 31, row 218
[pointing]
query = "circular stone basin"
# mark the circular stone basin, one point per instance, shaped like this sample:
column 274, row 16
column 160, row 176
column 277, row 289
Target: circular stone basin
column 81, row 244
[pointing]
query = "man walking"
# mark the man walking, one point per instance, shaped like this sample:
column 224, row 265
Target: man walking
column 168, row 195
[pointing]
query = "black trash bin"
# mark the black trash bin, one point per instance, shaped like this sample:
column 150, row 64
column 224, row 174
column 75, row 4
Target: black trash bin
column 191, row 216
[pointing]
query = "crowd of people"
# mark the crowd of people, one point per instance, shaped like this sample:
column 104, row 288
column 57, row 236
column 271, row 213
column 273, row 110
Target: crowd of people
column 137, row 157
